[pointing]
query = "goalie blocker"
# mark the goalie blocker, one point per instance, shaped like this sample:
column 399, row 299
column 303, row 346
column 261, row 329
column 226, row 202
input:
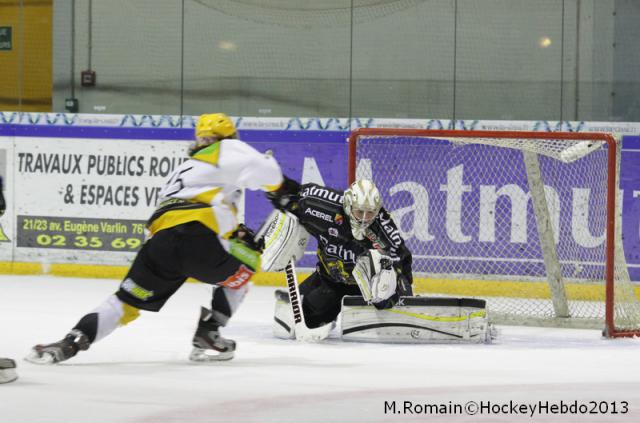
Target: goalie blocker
column 284, row 240
column 417, row 320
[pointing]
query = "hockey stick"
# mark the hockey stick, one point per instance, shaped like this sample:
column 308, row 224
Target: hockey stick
column 303, row 333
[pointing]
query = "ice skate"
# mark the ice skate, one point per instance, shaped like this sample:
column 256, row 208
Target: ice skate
column 208, row 344
column 7, row 370
column 59, row 351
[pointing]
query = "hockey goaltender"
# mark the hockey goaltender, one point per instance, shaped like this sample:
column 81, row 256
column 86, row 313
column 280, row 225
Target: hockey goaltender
column 363, row 273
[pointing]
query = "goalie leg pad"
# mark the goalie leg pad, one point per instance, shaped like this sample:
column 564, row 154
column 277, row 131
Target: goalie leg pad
column 417, row 320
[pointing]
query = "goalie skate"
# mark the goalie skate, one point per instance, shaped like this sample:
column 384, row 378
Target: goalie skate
column 59, row 351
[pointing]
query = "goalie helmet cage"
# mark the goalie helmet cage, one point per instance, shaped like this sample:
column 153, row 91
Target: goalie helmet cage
column 529, row 221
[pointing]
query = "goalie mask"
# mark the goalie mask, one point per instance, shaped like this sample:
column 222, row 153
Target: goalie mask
column 361, row 204
column 210, row 129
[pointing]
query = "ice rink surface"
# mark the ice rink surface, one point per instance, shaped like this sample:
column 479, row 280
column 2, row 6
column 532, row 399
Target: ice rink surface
column 140, row 373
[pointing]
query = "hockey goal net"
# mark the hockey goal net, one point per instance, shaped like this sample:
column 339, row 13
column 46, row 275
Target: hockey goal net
column 529, row 221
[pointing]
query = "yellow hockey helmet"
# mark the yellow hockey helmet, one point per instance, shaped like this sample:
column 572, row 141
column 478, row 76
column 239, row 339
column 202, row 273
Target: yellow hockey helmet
column 216, row 125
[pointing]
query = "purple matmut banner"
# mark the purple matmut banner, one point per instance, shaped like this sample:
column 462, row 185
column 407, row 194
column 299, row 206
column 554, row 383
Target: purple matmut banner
column 321, row 156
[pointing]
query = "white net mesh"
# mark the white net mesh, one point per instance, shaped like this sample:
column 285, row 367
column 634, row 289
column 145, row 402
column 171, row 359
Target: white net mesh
column 519, row 222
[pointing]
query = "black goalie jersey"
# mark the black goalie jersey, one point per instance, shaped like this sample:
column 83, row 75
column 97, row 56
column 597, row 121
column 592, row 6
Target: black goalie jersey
column 319, row 210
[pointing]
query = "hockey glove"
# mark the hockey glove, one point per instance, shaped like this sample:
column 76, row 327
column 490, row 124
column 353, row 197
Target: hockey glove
column 386, row 266
column 376, row 279
column 245, row 235
column 286, row 197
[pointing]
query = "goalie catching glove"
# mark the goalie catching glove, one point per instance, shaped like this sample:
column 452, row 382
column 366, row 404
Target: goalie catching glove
column 376, row 279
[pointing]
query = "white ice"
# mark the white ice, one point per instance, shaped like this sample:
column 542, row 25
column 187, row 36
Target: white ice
column 140, row 373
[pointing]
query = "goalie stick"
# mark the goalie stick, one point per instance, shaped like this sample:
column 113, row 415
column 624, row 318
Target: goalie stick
column 275, row 226
column 303, row 333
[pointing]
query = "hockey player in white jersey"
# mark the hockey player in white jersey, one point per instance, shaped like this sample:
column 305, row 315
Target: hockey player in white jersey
column 194, row 233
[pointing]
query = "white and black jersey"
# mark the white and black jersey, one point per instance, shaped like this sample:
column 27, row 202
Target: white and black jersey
column 205, row 188
column 319, row 209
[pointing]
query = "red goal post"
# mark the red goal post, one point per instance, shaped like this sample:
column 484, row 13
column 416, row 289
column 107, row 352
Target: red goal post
column 487, row 175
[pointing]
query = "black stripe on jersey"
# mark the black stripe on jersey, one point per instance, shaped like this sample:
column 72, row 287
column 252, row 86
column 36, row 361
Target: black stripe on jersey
column 174, row 204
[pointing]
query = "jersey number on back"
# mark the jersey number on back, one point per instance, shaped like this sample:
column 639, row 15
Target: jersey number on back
column 175, row 184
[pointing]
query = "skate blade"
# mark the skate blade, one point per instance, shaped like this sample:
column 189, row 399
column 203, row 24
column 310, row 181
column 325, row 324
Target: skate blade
column 203, row 356
column 43, row 358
